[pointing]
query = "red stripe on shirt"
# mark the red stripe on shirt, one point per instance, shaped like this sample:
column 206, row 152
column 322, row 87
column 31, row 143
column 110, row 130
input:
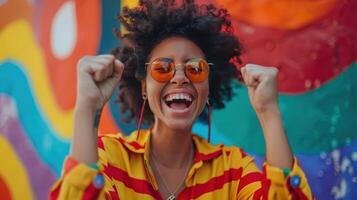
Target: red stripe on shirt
column 91, row 192
column 243, row 153
column 296, row 193
column 211, row 185
column 250, row 178
column 134, row 144
column 258, row 194
column 55, row 192
column 138, row 185
column 265, row 184
column 201, row 156
column 69, row 164
column 100, row 142
column 113, row 195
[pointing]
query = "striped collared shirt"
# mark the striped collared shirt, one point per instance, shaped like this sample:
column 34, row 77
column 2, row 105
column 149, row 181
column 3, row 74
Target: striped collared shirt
column 218, row 172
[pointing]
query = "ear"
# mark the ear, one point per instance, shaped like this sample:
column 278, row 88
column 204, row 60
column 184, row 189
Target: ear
column 143, row 87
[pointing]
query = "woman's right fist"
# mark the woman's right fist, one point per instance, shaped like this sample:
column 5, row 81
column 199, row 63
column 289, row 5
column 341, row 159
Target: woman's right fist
column 97, row 77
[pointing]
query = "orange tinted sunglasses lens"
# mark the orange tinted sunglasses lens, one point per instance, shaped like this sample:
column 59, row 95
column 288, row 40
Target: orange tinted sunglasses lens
column 162, row 70
column 197, row 70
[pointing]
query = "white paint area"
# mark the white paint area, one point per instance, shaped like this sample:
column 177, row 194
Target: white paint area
column 354, row 156
column 64, row 30
column 340, row 190
column 8, row 111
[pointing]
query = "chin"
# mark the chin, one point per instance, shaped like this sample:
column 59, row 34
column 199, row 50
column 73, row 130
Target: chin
column 180, row 124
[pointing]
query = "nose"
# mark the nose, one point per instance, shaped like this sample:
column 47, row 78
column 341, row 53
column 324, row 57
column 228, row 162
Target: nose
column 179, row 77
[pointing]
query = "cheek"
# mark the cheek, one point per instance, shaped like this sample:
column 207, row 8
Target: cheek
column 153, row 103
column 154, row 96
column 203, row 91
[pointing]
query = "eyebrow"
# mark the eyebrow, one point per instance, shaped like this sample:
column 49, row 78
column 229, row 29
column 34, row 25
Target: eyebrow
column 185, row 61
column 188, row 59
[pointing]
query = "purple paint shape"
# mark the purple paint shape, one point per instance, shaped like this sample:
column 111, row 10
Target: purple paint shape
column 41, row 177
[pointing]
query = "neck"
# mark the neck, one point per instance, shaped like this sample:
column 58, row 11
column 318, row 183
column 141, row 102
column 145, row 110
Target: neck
column 172, row 147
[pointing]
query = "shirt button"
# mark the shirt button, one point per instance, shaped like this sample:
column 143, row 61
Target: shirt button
column 98, row 181
column 295, row 181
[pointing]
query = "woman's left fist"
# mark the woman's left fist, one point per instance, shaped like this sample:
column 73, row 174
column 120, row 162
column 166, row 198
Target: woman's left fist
column 262, row 86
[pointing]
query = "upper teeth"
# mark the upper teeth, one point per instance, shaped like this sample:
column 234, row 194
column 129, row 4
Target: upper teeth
column 184, row 96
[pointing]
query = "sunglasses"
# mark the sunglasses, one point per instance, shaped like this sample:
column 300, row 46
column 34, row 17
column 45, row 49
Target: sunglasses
column 164, row 69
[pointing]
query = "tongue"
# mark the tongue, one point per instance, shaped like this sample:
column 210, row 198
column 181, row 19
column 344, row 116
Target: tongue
column 178, row 106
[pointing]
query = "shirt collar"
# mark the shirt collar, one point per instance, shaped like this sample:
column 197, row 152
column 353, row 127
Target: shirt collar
column 135, row 142
column 205, row 150
column 140, row 144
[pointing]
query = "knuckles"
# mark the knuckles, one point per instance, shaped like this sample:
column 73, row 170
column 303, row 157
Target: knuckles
column 82, row 62
column 261, row 70
column 101, row 66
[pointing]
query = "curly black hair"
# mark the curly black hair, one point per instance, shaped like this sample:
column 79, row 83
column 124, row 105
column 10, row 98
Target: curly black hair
column 152, row 21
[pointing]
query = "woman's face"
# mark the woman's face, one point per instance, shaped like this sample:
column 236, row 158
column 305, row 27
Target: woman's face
column 178, row 102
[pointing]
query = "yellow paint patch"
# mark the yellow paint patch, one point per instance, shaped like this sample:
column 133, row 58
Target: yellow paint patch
column 18, row 43
column 129, row 3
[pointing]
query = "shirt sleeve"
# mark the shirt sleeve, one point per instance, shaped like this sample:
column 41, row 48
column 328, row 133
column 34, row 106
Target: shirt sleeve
column 291, row 184
column 82, row 181
column 273, row 182
column 78, row 181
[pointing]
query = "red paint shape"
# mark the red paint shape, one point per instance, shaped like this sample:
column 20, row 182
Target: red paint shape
column 307, row 57
column 281, row 14
column 62, row 72
column 13, row 10
column 4, row 190
column 107, row 123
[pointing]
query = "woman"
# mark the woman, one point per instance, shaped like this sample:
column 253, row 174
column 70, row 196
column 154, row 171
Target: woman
column 174, row 61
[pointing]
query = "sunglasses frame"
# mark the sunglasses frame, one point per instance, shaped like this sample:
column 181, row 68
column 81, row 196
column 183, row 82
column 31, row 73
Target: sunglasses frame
column 198, row 58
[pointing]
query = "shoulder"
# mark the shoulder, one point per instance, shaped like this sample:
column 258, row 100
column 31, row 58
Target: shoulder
column 117, row 145
column 236, row 156
column 109, row 141
column 109, row 147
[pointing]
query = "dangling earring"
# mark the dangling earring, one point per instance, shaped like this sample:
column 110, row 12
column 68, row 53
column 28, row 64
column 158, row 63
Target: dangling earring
column 141, row 115
column 209, row 120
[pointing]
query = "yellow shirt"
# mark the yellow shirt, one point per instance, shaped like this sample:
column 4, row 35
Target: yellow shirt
column 218, row 172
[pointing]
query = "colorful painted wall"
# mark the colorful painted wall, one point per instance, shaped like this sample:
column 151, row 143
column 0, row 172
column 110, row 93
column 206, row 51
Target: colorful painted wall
column 312, row 42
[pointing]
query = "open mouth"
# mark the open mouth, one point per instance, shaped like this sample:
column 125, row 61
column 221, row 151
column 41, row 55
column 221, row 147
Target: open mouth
column 178, row 100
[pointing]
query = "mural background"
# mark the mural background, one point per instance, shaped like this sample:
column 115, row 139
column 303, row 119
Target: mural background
column 312, row 42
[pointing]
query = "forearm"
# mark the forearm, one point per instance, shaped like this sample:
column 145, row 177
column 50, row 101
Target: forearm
column 278, row 152
column 84, row 145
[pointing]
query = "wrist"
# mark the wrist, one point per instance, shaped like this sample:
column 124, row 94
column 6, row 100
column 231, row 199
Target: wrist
column 270, row 116
column 268, row 110
column 87, row 107
column 89, row 111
